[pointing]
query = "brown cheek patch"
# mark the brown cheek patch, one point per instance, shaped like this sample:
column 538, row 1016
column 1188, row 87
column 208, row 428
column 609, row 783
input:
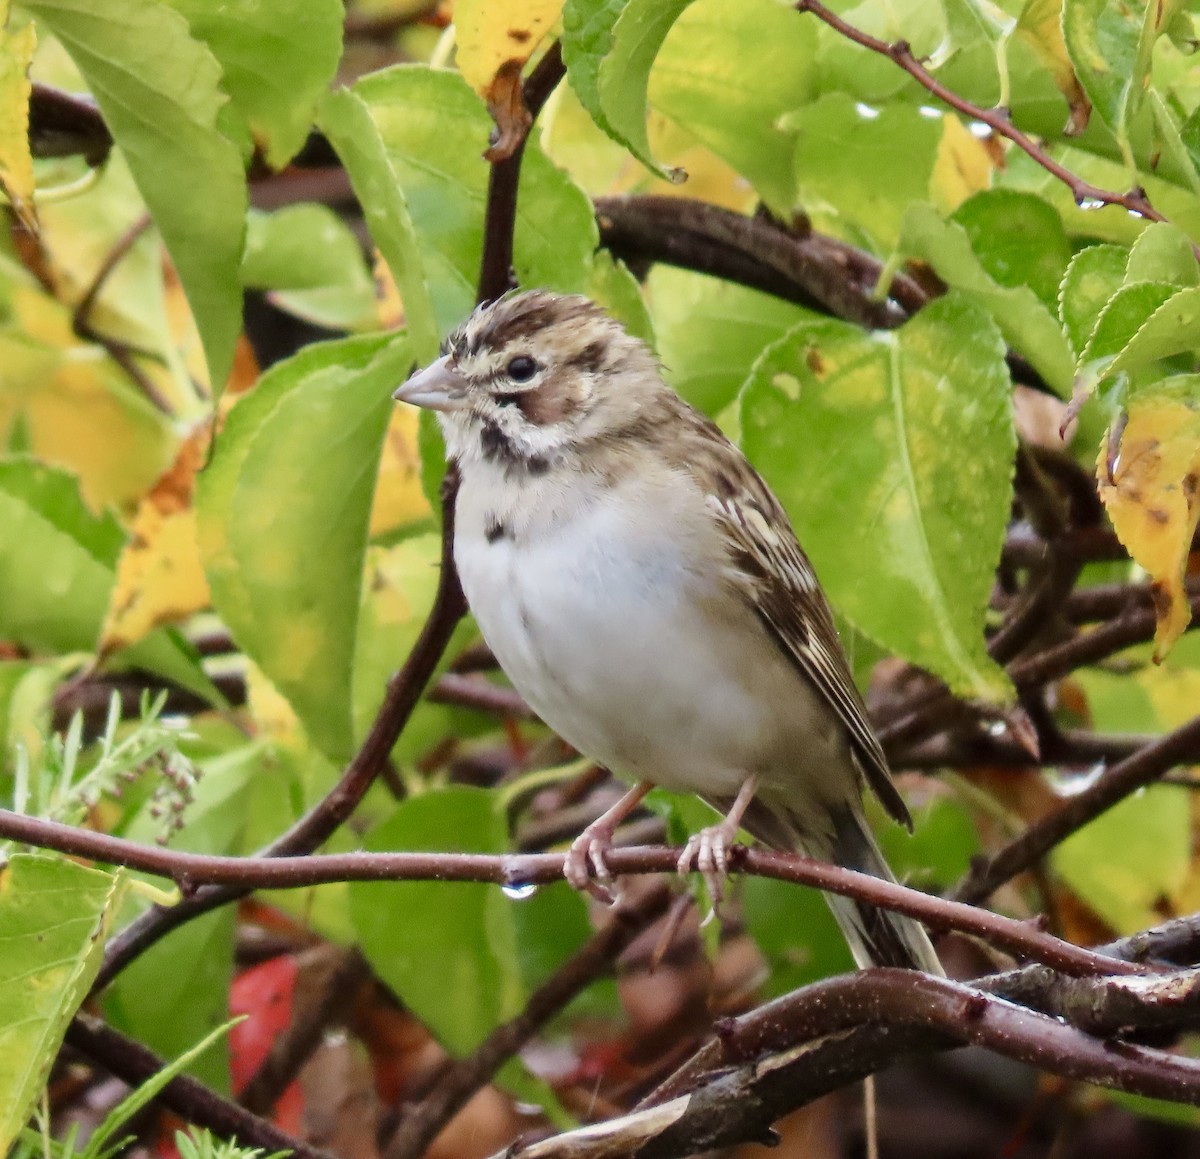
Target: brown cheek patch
column 549, row 404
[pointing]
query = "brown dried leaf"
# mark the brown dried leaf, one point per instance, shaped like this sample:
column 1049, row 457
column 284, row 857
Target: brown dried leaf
column 506, row 103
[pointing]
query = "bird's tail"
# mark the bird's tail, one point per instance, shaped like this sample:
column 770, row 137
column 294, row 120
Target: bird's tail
column 877, row 937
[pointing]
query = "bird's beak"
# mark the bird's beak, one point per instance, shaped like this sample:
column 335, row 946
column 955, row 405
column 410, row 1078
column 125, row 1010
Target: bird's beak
column 436, row 387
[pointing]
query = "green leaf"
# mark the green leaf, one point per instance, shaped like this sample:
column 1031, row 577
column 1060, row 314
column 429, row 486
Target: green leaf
column 426, row 120
column 1173, row 328
column 1018, row 239
column 56, row 559
column 1127, row 860
column 54, row 915
column 1109, row 45
column 275, row 66
column 1093, row 277
column 1121, row 318
column 700, row 80
column 347, row 121
column 1163, row 253
column 450, row 952
column 908, row 439
column 864, row 165
column 608, row 48
column 1024, row 320
column 312, row 264
column 710, row 332
column 282, row 515
column 136, row 56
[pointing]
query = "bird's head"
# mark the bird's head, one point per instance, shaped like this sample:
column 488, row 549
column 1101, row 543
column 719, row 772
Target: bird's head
column 533, row 376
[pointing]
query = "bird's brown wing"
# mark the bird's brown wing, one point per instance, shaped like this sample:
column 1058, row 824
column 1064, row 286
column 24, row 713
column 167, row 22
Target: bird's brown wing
column 774, row 575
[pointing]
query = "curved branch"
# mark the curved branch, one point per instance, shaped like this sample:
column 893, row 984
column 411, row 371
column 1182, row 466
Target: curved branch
column 783, row 1055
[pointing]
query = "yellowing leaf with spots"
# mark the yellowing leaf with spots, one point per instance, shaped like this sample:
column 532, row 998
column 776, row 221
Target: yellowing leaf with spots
column 1153, row 495
column 159, row 576
column 493, row 34
column 16, row 164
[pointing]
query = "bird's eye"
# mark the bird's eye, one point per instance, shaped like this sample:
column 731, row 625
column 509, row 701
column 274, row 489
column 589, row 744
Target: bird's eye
column 522, row 368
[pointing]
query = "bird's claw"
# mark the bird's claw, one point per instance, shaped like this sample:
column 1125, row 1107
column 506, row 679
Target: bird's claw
column 586, row 869
column 707, row 852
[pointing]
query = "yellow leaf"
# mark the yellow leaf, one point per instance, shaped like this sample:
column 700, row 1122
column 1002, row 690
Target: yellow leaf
column 963, row 166
column 399, row 500
column 16, row 164
column 1153, row 500
column 495, row 33
column 159, row 576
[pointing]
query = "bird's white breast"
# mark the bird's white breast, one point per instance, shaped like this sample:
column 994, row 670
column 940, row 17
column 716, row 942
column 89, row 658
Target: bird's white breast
column 605, row 606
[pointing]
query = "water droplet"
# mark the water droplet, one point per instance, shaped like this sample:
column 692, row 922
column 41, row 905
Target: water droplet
column 997, row 728
column 1090, row 203
column 519, row 890
column 865, row 111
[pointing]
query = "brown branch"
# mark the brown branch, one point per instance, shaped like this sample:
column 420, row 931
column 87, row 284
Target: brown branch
column 455, row 1083
column 799, row 266
column 998, row 120
column 122, row 353
column 63, row 124
column 239, row 875
column 495, row 271
column 1123, row 779
column 783, row 1055
column 189, row 1098
column 481, row 694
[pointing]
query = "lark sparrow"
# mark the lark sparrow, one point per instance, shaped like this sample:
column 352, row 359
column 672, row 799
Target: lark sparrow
column 643, row 590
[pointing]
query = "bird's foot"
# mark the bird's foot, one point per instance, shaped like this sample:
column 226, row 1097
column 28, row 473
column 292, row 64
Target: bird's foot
column 707, row 852
column 585, row 867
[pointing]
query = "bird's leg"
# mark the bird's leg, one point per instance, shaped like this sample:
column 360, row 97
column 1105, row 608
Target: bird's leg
column 708, row 850
column 585, row 867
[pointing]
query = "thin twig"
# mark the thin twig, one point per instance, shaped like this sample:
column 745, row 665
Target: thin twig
column 1136, row 771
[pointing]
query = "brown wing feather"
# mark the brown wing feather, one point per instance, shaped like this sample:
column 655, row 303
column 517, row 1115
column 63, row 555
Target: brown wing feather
column 776, row 578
